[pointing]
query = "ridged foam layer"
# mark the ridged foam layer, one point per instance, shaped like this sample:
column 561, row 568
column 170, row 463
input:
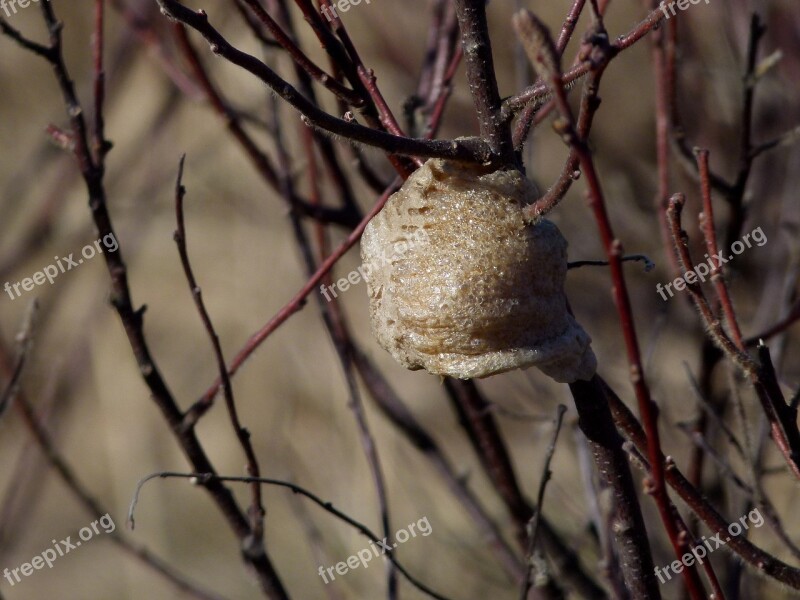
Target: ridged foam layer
column 460, row 285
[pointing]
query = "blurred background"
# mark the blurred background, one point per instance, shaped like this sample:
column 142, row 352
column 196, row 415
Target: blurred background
column 83, row 382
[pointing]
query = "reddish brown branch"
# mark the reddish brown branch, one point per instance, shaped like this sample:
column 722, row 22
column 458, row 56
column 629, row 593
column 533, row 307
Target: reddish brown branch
column 710, row 236
column 298, row 300
column 544, row 57
column 516, row 103
column 781, row 416
column 754, row 556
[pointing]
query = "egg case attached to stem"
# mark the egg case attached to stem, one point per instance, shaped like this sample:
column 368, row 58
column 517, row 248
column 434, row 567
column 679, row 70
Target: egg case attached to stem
column 460, row 284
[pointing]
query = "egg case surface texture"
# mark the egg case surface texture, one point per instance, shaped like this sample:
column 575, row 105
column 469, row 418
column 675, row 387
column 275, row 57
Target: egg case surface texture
column 460, row 285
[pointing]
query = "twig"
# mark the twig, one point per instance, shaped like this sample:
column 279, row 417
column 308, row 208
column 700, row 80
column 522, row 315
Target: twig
column 256, row 508
column 371, row 102
column 393, row 407
column 472, row 150
column 300, row 58
column 345, row 58
column 298, row 300
column 100, row 146
column 523, row 127
column 649, row 265
column 532, row 42
column 337, row 329
column 484, row 435
column 785, row 139
column 755, row 557
column 347, row 216
column 533, row 526
column 546, row 60
column 335, row 170
column 444, row 86
column 206, row 478
column 69, row 477
column 779, row 327
column 733, row 192
column 132, row 319
column 699, row 440
column 25, row 341
column 710, row 236
column 664, row 46
column 512, row 105
column 709, row 409
column 783, row 420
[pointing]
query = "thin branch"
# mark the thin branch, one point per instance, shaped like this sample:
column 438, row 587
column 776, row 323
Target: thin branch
column 514, row 104
column 67, row 474
column 782, row 418
column 466, row 150
column 547, row 62
column 392, row 407
column 649, row 265
column 100, row 145
column 779, row 327
column 525, row 121
column 25, row 340
column 710, row 236
column 132, row 319
column 300, row 58
column 337, row 329
column 533, row 526
column 785, row 139
column 346, row 216
column 296, row 303
column 664, row 51
column 256, row 508
column 710, row 410
column 206, row 478
column 759, row 560
column 476, row 418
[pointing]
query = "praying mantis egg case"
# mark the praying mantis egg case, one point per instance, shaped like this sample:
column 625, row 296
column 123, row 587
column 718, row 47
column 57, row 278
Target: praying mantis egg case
column 460, row 285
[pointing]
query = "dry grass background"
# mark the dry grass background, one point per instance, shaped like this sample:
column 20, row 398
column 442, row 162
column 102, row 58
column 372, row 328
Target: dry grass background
column 291, row 394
